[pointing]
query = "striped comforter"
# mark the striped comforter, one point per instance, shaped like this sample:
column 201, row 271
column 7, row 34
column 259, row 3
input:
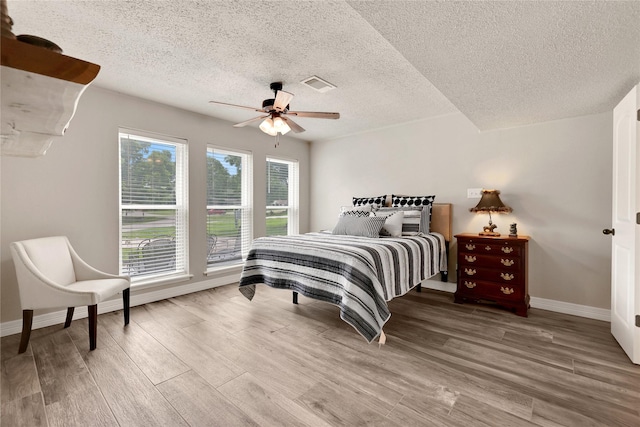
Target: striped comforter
column 358, row 274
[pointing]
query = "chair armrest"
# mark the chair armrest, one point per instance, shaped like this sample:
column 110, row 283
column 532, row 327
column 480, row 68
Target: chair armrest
column 37, row 291
column 86, row 272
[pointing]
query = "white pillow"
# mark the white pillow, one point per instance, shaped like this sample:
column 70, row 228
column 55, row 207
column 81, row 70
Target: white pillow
column 393, row 224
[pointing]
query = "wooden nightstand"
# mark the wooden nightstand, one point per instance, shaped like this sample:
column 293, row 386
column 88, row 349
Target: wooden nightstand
column 493, row 269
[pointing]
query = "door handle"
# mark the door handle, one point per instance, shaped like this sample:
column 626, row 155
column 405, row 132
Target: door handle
column 611, row 231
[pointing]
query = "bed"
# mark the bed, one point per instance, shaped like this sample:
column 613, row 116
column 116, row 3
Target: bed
column 357, row 274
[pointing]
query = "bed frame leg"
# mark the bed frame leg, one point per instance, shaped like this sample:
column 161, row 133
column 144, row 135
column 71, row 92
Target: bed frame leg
column 444, row 275
column 295, row 297
column 419, row 287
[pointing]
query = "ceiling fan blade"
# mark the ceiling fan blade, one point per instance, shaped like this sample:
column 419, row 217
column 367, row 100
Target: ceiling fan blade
column 246, row 122
column 293, row 125
column 282, row 100
column 237, row 106
column 314, row 114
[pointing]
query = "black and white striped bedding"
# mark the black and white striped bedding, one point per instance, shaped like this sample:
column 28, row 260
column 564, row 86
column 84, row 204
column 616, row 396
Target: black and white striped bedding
column 358, row 274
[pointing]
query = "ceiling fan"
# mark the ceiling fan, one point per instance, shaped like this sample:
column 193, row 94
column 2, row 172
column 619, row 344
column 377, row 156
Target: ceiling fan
column 277, row 118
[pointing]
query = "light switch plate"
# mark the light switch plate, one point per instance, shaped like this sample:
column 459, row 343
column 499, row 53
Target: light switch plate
column 474, row 193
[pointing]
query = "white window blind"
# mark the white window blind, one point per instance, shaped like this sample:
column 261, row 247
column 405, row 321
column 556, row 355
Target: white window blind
column 229, row 206
column 153, row 206
column 282, row 197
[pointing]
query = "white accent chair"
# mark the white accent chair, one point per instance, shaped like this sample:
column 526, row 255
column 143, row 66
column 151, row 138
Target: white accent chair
column 51, row 274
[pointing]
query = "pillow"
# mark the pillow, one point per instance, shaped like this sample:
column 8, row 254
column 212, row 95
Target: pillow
column 357, row 226
column 409, row 201
column 393, row 223
column 356, row 213
column 375, row 202
column 364, row 210
column 416, row 201
column 415, row 219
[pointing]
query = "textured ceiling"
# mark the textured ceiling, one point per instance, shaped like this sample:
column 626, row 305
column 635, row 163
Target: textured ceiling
column 502, row 64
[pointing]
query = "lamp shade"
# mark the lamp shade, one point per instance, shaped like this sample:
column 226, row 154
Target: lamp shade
column 267, row 127
column 490, row 202
column 280, row 126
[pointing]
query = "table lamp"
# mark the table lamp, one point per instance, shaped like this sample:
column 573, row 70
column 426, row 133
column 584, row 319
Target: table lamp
column 490, row 202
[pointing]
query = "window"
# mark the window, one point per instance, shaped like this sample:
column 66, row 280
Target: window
column 282, row 197
column 153, row 207
column 229, row 206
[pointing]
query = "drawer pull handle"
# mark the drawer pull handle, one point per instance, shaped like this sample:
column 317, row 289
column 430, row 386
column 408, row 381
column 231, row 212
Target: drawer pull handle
column 506, row 276
column 507, row 262
column 470, row 271
column 507, row 249
column 470, row 285
column 488, row 248
column 470, row 247
column 470, row 258
column 506, row 291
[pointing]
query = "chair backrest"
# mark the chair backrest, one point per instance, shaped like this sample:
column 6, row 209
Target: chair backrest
column 51, row 257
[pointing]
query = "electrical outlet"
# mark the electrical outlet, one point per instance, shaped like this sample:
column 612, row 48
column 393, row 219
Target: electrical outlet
column 474, row 193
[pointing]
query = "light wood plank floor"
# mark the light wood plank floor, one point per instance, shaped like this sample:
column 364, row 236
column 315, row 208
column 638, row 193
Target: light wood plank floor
column 213, row 358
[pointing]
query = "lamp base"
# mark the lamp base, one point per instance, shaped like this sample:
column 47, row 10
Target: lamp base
column 489, row 230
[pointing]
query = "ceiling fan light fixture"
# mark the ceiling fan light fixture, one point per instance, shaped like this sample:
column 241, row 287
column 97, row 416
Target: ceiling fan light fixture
column 267, row 127
column 280, row 125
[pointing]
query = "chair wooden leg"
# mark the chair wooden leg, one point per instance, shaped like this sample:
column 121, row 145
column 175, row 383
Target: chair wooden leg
column 67, row 322
column 125, row 303
column 27, row 321
column 93, row 326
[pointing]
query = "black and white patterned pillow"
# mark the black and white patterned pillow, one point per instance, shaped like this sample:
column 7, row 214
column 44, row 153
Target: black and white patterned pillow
column 376, row 202
column 356, row 213
column 411, row 201
column 357, row 226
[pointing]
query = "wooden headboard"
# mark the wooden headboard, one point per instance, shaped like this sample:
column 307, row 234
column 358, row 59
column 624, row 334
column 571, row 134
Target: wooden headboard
column 441, row 219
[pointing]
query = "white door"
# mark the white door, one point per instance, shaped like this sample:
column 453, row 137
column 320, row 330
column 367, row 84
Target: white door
column 625, row 268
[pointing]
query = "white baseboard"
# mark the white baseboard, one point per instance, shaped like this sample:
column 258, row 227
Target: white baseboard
column 439, row 285
column 144, row 297
column 541, row 303
column 570, row 308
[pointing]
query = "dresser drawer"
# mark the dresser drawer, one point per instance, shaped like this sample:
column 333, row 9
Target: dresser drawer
column 501, row 261
column 499, row 276
column 491, row 291
column 473, row 246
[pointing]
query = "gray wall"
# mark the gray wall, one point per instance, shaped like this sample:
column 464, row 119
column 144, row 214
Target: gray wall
column 555, row 175
column 73, row 189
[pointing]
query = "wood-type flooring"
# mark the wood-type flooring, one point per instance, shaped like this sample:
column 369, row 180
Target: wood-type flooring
column 213, row 358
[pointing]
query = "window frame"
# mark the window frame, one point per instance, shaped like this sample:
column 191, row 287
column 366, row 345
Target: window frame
column 246, row 207
column 293, row 199
column 181, row 207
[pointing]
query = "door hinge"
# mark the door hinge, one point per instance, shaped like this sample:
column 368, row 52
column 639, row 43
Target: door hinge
column 637, row 321
column 637, row 217
column 639, row 115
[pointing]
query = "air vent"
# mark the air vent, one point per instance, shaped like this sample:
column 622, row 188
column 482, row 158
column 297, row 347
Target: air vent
column 318, row 84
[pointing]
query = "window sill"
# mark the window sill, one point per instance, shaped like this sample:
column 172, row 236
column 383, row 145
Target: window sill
column 159, row 281
column 224, row 270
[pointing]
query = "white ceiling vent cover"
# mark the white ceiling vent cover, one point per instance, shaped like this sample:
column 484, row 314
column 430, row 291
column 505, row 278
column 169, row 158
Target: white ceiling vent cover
column 318, row 84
